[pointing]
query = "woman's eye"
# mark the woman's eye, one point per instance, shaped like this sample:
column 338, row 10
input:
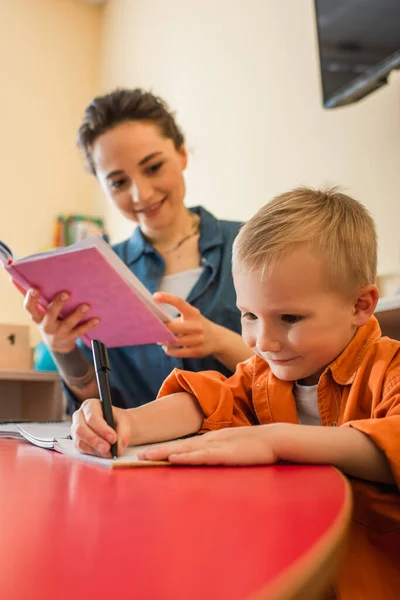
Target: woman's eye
column 248, row 316
column 117, row 184
column 154, row 168
column 291, row 319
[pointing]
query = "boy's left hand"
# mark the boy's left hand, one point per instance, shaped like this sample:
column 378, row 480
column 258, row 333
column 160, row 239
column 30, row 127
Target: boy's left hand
column 232, row 446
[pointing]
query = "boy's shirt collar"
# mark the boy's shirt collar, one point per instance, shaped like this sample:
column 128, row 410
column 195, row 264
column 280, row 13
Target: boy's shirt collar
column 345, row 366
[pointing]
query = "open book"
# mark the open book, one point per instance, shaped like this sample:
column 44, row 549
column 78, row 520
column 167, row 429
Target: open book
column 93, row 274
column 57, row 437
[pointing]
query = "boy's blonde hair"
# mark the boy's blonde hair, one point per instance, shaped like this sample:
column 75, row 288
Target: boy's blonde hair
column 332, row 225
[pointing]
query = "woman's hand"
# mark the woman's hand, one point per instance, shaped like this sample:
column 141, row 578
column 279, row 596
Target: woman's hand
column 92, row 435
column 58, row 334
column 232, row 446
column 196, row 336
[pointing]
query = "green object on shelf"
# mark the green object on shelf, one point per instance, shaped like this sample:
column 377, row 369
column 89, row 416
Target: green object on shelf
column 71, row 228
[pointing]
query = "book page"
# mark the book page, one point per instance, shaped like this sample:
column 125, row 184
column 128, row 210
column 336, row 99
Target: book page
column 96, row 241
column 10, row 430
column 44, row 434
column 129, row 458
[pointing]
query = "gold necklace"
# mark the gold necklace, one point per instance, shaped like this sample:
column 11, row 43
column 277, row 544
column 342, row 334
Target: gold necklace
column 195, row 231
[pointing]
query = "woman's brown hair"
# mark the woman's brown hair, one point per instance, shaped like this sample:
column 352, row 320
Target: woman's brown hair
column 120, row 106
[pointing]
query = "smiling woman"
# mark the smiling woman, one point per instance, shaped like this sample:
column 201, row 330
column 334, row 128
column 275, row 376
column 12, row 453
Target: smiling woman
column 136, row 150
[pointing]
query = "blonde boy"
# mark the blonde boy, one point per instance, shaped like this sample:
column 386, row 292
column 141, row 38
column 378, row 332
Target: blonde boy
column 322, row 387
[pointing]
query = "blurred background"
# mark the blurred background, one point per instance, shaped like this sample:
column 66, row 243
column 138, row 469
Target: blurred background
column 245, row 81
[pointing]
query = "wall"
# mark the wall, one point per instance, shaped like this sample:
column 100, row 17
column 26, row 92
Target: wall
column 244, row 79
column 49, row 71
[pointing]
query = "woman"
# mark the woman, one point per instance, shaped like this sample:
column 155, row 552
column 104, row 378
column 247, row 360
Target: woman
column 134, row 147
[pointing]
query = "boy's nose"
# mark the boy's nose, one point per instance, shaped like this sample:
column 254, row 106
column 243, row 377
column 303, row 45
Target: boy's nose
column 270, row 347
column 268, row 343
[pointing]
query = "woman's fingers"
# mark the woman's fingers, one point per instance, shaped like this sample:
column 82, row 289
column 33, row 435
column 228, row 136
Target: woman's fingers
column 32, row 306
column 179, row 327
column 186, row 310
column 59, row 333
column 184, row 352
column 56, row 305
column 84, row 328
column 188, row 341
column 71, row 323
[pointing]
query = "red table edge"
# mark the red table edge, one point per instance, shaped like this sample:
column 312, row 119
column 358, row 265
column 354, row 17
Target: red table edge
column 306, row 578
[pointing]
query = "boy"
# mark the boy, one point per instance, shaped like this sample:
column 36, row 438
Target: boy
column 323, row 385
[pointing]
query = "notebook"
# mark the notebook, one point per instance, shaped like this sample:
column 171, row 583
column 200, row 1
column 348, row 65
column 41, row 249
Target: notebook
column 56, row 436
column 128, row 459
column 93, row 274
column 41, row 434
column 10, row 430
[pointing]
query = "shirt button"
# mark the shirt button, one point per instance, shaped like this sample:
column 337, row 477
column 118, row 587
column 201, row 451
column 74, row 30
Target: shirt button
column 203, row 260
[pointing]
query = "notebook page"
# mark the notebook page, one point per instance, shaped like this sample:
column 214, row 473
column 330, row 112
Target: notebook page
column 44, row 434
column 129, row 458
column 10, row 430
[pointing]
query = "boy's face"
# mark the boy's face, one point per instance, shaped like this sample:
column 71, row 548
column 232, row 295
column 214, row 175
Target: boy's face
column 292, row 320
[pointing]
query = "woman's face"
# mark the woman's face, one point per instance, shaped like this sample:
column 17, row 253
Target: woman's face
column 141, row 172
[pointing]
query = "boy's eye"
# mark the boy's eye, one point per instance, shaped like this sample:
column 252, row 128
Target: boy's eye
column 249, row 316
column 291, row 319
column 154, row 168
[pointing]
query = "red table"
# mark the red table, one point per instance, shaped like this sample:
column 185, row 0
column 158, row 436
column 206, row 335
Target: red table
column 71, row 531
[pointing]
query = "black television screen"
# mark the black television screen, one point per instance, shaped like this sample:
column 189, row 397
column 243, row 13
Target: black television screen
column 359, row 44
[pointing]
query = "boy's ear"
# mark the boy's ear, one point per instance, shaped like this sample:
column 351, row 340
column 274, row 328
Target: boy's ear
column 365, row 304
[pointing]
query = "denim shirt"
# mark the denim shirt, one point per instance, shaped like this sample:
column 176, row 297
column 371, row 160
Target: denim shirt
column 137, row 372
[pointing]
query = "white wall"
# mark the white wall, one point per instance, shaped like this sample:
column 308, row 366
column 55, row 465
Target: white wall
column 49, row 67
column 244, row 79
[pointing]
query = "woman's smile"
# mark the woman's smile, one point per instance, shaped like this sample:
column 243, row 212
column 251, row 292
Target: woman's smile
column 150, row 210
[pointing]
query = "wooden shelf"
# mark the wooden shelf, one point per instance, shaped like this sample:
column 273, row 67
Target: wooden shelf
column 30, row 395
column 22, row 375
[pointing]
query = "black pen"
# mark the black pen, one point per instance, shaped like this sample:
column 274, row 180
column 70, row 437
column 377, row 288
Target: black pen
column 101, row 366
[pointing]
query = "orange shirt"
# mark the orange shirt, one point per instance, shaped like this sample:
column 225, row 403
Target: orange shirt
column 361, row 389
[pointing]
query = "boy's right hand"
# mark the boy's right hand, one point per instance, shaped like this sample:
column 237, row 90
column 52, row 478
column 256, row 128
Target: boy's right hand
column 59, row 335
column 92, row 435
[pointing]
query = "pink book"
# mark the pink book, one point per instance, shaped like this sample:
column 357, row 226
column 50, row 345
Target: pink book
column 93, row 274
